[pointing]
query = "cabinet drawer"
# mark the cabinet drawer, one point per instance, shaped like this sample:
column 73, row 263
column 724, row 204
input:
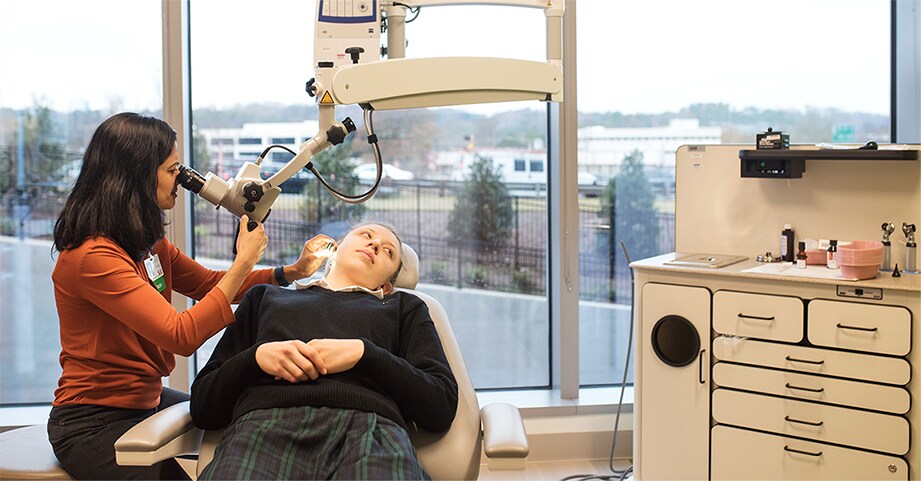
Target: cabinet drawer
column 842, row 392
column 860, row 327
column 851, row 365
column 760, row 316
column 742, row 454
column 850, row 427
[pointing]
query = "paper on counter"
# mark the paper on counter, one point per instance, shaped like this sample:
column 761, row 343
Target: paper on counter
column 790, row 269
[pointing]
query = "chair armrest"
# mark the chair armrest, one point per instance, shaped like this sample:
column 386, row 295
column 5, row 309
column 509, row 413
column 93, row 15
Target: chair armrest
column 166, row 434
column 504, row 439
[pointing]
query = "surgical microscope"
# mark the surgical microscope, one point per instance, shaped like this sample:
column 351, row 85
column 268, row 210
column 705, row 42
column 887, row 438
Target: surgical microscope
column 349, row 70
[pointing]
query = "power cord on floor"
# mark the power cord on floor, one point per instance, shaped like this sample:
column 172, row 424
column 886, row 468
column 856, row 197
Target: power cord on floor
column 616, row 474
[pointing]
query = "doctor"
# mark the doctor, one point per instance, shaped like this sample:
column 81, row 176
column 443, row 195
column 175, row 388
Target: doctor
column 112, row 284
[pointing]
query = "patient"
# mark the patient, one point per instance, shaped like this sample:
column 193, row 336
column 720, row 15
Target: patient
column 322, row 382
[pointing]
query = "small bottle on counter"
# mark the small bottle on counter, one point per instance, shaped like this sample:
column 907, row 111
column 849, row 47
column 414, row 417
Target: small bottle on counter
column 801, row 256
column 831, row 260
column 786, row 244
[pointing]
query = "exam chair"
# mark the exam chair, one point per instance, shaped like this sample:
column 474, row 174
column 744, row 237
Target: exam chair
column 496, row 429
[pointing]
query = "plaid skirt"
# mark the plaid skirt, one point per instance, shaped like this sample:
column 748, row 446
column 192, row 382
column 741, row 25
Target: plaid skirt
column 307, row 442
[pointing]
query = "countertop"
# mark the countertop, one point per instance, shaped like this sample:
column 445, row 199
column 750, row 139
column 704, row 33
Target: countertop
column 883, row 280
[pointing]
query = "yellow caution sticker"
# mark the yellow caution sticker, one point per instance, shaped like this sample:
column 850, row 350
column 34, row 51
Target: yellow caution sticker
column 327, row 98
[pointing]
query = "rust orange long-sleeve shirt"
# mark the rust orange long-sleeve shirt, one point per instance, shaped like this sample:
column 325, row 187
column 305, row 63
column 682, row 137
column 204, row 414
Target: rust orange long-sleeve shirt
column 119, row 334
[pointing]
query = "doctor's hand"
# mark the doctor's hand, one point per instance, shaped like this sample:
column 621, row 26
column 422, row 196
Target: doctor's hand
column 312, row 256
column 293, row 361
column 338, row 354
column 250, row 244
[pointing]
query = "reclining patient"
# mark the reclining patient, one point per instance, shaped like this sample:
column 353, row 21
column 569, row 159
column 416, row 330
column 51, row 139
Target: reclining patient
column 322, row 382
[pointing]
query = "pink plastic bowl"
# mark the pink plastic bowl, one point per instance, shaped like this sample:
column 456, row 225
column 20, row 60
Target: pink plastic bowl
column 859, row 272
column 860, row 253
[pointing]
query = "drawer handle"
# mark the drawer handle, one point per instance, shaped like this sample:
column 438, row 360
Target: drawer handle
column 810, row 389
column 857, row 328
column 793, row 359
column 811, row 423
column 756, row 318
column 807, row 453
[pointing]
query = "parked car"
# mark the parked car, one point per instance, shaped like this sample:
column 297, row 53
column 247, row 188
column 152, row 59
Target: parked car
column 366, row 173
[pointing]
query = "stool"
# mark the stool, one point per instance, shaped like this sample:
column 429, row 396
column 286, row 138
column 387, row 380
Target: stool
column 25, row 453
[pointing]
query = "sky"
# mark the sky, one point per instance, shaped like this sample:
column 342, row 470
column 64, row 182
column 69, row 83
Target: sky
column 633, row 56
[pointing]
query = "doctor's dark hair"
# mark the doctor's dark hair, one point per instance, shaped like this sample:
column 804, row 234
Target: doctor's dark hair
column 115, row 194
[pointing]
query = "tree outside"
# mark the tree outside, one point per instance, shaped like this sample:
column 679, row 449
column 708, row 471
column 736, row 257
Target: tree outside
column 34, row 178
column 482, row 219
column 629, row 206
column 482, row 213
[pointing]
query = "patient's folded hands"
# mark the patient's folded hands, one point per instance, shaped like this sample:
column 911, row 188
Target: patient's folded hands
column 293, row 361
column 338, row 354
column 297, row 361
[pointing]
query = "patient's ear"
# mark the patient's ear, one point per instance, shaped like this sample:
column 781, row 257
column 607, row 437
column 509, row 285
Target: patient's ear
column 387, row 287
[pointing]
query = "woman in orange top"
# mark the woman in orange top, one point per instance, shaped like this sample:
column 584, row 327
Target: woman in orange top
column 113, row 282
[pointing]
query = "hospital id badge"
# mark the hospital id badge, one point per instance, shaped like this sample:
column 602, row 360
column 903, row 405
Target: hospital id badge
column 155, row 272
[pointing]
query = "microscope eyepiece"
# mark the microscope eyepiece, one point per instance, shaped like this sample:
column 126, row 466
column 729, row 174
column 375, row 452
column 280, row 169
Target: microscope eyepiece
column 190, row 179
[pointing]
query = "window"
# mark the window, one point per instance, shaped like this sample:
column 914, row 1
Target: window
column 520, row 165
column 491, row 277
column 712, row 71
column 113, row 60
column 250, row 141
column 537, row 166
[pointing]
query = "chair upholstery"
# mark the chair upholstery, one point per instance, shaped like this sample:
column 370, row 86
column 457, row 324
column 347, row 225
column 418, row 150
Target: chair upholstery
column 25, row 453
column 455, row 454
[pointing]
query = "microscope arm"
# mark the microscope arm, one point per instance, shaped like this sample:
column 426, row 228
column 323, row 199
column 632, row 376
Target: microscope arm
column 431, row 82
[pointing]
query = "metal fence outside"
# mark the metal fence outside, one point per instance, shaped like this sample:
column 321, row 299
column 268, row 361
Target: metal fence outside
column 420, row 212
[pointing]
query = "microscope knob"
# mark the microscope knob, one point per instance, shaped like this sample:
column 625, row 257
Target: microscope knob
column 252, row 191
column 354, row 52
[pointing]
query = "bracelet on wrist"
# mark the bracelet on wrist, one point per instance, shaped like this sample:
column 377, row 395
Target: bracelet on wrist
column 280, row 276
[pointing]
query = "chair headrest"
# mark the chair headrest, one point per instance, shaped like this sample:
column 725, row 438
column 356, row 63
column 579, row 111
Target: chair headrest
column 409, row 274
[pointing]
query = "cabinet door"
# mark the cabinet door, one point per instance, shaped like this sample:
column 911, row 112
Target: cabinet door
column 673, row 395
column 743, row 454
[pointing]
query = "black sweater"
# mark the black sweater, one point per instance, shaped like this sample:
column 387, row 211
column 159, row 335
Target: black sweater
column 402, row 375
